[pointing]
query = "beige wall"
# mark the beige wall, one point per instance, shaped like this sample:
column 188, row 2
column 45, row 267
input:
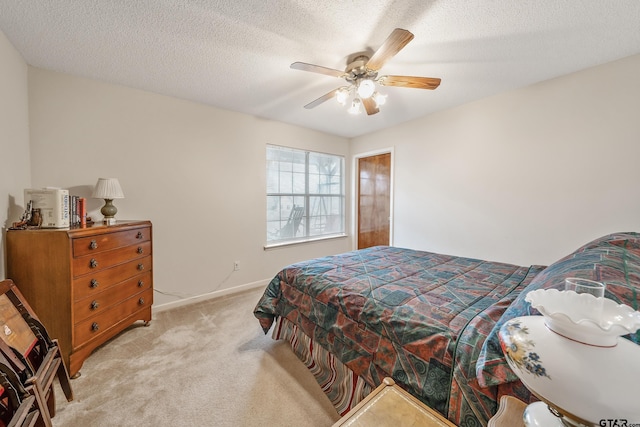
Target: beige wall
column 197, row 172
column 14, row 138
column 523, row 177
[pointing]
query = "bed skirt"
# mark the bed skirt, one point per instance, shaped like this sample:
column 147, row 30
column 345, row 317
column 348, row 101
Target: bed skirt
column 343, row 388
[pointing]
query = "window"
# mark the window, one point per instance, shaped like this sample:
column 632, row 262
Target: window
column 305, row 194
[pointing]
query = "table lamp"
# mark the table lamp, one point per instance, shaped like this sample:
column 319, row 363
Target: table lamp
column 108, row 189
column 573, row 360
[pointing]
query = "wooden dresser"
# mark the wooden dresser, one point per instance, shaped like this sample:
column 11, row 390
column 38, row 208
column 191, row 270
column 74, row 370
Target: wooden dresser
column 85, row 284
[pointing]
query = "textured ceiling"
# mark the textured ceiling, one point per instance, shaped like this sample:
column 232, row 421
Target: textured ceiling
column 235, row 54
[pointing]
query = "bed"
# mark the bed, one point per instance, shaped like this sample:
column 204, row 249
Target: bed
column 427, row 320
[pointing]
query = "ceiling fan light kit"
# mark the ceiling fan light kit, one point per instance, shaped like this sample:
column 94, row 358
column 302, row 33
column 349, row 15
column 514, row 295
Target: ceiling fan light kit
column 380, row 98
column 355, row 106
column 366, row 88
column 357, row 93
column 362, row 75
column 342, row 95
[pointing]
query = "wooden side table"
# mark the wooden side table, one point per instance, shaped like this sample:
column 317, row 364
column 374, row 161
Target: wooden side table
column 509, row 413
column 391, row 406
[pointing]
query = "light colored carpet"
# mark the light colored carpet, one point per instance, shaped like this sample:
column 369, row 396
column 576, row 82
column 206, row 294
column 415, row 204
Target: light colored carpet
column 206, row 364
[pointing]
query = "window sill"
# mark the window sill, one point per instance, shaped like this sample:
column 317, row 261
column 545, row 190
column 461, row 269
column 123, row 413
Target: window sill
column 276, row 245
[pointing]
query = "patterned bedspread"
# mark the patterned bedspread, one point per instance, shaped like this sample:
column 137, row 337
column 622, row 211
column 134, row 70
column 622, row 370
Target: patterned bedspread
column 418, row 317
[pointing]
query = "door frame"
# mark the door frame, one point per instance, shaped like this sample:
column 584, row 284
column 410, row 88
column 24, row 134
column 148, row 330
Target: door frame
column 354, row 192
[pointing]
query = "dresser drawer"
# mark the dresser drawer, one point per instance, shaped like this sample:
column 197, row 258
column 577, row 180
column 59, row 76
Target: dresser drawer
column 98, row 281
column 103, row 300
column 100, row 323
column 107, row 241
column 100, row 260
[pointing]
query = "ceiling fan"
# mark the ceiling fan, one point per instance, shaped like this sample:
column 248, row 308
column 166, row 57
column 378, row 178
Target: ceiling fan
column 361, row 75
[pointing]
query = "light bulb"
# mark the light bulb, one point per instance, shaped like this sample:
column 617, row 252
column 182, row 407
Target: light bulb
column 379, row 98
column 366, row 88
column 355, row 106
column 341, row 95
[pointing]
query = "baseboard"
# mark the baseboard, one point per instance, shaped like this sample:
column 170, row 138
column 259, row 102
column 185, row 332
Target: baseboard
column 211, row 295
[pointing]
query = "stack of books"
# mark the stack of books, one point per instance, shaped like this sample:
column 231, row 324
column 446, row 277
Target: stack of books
column 78, row 211
column 57, row 208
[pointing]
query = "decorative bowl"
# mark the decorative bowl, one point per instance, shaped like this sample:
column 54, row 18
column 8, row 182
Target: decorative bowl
column 584, row 317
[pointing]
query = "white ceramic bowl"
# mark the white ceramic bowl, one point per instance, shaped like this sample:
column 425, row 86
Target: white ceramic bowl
column 583, row 317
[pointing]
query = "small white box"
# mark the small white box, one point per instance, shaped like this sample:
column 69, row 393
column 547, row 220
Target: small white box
column 53, row 204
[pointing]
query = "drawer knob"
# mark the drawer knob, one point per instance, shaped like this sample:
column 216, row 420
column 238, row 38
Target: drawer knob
column 95, row 326
column 93, row 263
column 93, row 284
column 140, row 283
column 93, row 245
column 94, row 305
column 140, row 250
column 139, row 235
column 141, row 267
column 141, row 301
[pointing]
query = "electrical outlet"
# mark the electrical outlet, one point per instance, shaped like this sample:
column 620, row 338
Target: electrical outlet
column 236, row 265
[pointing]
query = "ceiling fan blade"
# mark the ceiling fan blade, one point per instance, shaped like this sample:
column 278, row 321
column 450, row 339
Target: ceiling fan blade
column 317, row 69
column 391, row 46
column 408, row 81
column 320, row 100
column 370, row 105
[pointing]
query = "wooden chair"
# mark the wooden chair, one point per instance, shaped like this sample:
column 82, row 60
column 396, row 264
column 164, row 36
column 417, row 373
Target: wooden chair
column 17, row 405
column 290, row 229
column 26, row 415
column 32, row 354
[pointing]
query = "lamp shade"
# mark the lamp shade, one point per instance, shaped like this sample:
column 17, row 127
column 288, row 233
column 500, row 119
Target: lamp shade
column 108, row 188
column 366, row 88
